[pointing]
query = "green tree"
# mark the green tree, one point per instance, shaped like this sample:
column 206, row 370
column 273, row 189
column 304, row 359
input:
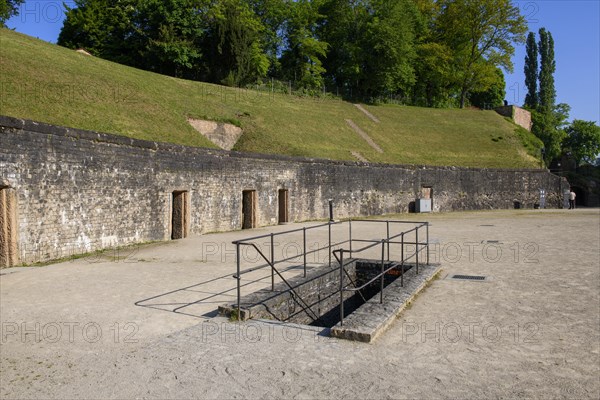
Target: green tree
column 492, row 97
column 169, row 34
column 549, row 119
column 582, row 141
column 433, row 81
column 531, row 72
column 102, row 27
column 302, row 58
column 234, row 44
column 481, row 34
column 549, row 127
column 274, row 15
column 547, row 94
column 390, row 48
column 344, row 28
column 157, row 35
column 8, row 9
column 372, row 45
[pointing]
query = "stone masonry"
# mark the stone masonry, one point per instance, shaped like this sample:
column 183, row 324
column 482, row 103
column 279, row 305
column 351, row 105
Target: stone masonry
column 79, row 191
column 519, row 115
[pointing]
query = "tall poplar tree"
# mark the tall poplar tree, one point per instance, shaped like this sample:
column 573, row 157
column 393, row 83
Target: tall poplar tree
column 531, row 72
column 547, row 96
column 549, row 118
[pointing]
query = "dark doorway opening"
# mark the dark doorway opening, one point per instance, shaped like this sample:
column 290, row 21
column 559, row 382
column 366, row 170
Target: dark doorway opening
column 249, row 204
column 180, row 216
column 283, row 206
column 8, row 228
column 580, row 196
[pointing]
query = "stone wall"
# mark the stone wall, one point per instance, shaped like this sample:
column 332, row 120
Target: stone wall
column 79, row 191
column 312, row 299
column 519, row 115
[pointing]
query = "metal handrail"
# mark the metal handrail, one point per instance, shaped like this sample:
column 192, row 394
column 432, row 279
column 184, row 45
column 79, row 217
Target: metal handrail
column 287, row 232
column 420, row 246
column 304, row 306
column 289, row 258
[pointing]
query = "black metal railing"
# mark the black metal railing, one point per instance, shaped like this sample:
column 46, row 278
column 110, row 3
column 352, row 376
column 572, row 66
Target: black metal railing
column 333, row 248
column 385, row 247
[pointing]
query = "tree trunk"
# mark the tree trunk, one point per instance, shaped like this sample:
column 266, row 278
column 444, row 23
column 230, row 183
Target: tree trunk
column 463, row 96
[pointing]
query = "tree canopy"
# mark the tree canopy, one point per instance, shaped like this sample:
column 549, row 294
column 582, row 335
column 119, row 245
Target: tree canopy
column 426, row 52
column 582, row 141
column 549, row 119
column 9, row 8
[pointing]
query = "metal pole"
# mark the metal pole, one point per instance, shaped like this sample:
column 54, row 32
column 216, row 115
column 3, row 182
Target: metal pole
column 417, row 248
column 272, row 263
column 427, row 243
column 350, row 235
column 237, row 256
column 388, row 239
column 382, row 268
column 330, row 210
column 402, row 259
column 402, row 248
column 329, row 228
column 304, row 254
column 341, row 287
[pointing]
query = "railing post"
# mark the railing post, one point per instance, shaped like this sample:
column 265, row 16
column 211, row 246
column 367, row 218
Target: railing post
column 238, row 277
column 304, row 252
column 382, row 268
column 350, row 236
column 272, row 263
column 417, row 247
column 329, row 226
column 402, row 259
column 427, row 231
column 341, row 287
column 388, row 239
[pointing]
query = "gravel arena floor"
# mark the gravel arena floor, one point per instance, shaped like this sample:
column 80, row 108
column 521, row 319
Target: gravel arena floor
column 141, row 322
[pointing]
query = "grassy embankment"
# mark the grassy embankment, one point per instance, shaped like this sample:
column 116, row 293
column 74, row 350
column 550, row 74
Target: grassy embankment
column 48, row 83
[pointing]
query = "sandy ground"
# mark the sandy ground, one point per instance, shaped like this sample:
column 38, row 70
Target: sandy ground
column 140, row 323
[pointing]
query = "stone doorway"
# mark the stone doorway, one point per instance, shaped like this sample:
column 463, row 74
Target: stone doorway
column 9, row 255
column 180, row 219
column 249, row 205
column 283, row 206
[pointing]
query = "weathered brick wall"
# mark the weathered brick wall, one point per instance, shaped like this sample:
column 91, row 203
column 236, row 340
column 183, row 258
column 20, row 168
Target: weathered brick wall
column 522, row 117
column 80, row 191
column 519, row 115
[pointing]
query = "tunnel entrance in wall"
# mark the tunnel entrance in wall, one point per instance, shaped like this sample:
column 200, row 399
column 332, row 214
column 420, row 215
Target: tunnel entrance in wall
column 283, row 206
column 580, row 196
column 249, row 206
column 180, row 214
column 8, row 228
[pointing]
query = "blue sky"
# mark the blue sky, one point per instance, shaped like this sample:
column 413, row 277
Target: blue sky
column 574, row 24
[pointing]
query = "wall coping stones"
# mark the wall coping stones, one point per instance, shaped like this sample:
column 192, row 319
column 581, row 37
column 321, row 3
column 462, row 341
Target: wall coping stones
column 107, row 138
column 371, row 319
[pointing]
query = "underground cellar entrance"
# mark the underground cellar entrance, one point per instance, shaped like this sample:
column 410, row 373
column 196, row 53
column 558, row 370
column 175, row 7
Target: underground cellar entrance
column 351, row 297
column 365, row 272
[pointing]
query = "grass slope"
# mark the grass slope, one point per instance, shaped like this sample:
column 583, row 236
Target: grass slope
column 48, row 83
